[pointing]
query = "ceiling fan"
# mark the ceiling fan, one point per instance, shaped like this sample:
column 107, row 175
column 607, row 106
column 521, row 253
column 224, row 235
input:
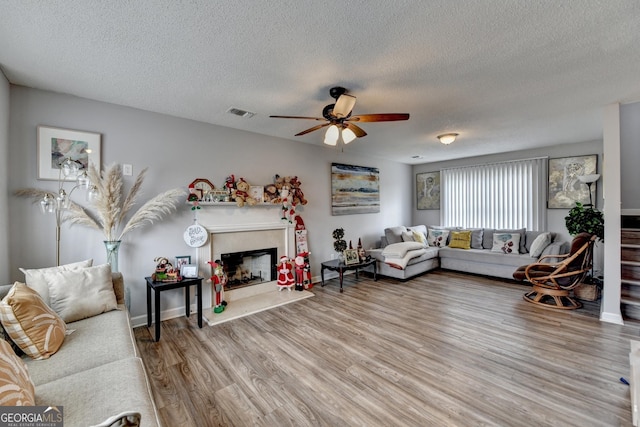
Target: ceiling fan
column 340, row 121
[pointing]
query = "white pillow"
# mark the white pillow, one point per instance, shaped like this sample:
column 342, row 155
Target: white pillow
column 37, row 279
column 506, row 243
column 407, row 236
column 539, row 244
column 437, row 238
column 81, row 293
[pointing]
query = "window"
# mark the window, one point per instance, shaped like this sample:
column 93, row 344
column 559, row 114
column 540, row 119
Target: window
column 499, row 195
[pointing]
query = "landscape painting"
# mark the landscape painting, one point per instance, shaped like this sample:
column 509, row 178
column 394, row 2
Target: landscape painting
column 354, row 189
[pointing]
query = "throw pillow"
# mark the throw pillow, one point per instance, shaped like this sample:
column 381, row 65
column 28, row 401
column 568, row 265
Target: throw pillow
column 407, row 236
column 37, row 278
column 16, row 388
column 81, row 293
column 507, row 243
column 125, row 419
column 438, row 238
column 539, row 245
column 476, row 238
column 420, row 238
column 31, row 323
column 460, row 239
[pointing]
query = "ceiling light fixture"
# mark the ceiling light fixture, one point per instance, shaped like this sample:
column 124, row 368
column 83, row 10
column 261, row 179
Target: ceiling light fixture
column 447, row 138
column 334, row 132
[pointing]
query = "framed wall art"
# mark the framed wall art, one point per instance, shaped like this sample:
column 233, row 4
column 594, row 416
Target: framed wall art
column 565, row 188
column 428, row 190
column 55, row 145
column 354, row 189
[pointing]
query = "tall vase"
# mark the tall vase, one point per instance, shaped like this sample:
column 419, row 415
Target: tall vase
column 112, row 246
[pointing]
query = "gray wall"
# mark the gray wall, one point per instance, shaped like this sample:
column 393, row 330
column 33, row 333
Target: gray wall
column 176, row 151
column 4, row 173
column 629, row 155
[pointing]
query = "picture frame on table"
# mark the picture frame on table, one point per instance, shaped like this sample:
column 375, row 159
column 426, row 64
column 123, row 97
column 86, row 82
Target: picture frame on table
column 56, row 144
column 351, row 256
column 182, row 260
column 189, row 271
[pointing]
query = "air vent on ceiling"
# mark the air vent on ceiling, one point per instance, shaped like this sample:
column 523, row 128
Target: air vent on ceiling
column 240, row 113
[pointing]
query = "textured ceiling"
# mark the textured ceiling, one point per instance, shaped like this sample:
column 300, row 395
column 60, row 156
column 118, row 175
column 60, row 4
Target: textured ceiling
column 505, row 74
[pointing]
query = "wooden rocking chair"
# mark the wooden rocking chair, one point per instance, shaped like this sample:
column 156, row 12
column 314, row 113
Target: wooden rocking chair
column 553, row 282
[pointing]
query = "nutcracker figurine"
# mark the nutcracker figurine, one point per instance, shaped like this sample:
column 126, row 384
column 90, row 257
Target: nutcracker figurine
column 219, row 279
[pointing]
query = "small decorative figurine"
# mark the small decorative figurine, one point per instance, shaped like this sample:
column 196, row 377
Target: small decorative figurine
column 219, row 280
column 164, row 271
column 285, row 275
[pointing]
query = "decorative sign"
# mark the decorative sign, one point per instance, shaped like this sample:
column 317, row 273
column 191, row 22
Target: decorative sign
column 195, row 235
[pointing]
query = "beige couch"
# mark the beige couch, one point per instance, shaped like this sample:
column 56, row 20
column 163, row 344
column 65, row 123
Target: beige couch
column 477, row 260
column 97, row 372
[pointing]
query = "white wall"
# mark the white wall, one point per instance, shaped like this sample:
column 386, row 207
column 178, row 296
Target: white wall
column 176, row 151
column 4, row 173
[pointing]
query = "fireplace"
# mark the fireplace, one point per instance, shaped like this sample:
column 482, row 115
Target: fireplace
column 247, row 268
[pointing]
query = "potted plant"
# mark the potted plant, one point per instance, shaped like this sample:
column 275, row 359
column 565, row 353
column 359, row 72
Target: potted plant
column 586, row 219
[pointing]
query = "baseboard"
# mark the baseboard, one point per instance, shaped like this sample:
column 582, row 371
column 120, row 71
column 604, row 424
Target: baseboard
column 611, row 318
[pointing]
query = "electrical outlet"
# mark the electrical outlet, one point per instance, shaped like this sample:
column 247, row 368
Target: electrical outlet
column 127, row 170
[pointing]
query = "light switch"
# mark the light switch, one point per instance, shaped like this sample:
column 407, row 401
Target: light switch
column 127, row 170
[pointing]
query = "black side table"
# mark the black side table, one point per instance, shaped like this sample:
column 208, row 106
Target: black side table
column 165, row 286
column 341, row 267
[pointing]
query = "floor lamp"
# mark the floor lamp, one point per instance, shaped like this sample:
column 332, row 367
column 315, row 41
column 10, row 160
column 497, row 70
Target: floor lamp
column 51, row 204
column 589, row 180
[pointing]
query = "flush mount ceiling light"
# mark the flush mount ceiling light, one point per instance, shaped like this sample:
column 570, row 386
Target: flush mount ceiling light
column 447, row 138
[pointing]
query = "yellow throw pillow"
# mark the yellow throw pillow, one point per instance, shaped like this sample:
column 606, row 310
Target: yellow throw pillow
column 16, row 388
column 420, row 238
column 460, row 239
column 31, row 323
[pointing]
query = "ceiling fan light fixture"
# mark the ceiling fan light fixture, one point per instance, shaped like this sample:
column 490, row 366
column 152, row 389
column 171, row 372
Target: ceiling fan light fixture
column 344, row 105
column 447, row 138
column 332, row 135
column 348, row 135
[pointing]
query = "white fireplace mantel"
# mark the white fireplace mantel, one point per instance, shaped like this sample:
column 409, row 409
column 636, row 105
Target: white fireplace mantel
column 229, row 219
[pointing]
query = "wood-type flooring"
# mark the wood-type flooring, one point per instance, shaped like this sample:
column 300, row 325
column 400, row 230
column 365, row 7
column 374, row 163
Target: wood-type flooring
column 442, row 349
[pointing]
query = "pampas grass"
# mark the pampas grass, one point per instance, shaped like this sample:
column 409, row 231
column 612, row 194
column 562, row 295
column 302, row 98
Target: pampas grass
column 111, row 207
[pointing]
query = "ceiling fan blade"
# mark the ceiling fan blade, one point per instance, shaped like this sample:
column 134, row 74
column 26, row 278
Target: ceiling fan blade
column 298, row 117
column 383, row 117
column 357, row 130
column 344, row 105
column 304, row 132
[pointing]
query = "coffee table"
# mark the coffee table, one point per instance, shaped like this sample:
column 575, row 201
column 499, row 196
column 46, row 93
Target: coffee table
column 341, row 267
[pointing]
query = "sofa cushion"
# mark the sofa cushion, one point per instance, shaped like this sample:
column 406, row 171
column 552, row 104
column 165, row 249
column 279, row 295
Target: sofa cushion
column 394, row 234
column 30, row 323
column 80, row 293
column 539, row 244
column 92, row 396
column 487, row 257
column 460, row 239
column 487, row 237
column 37, row 278
column 438, row 237
column 476, row 237
column 507, row 243
column 16, row 388
column 95, row 341
column 407, row 236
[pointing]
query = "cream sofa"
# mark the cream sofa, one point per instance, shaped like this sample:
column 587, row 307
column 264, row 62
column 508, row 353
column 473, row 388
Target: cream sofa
column 477, row 260
column 97, row 373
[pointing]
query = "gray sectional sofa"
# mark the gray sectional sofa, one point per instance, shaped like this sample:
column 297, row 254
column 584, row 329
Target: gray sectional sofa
column 477, row 260
column 97, row 374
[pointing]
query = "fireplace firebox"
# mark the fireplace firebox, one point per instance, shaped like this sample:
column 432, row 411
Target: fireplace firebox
column 248, row 268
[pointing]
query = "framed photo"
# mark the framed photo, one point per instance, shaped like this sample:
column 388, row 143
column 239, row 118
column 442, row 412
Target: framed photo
column 428, row 190
column 182, row 260
column 55, row 145
column 257, row 192
column 351, row 256
column 189, row 271
column 354, row 189
column 565, row 188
